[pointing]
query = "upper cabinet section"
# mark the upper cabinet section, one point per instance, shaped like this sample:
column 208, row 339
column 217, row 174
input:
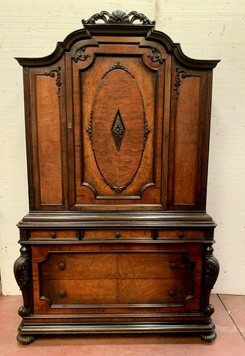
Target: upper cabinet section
column 117, row 118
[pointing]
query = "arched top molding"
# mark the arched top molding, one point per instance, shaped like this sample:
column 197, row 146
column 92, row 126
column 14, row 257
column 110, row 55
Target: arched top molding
column 118, row 23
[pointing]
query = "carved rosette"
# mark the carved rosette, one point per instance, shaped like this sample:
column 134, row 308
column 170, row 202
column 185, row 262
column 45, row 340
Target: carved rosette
column 118, row 17
column 56, row 73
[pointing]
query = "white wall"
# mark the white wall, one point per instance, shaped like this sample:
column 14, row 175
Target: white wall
column 210, row 29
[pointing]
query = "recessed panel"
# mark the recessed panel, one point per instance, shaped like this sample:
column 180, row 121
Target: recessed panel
column 118, row 127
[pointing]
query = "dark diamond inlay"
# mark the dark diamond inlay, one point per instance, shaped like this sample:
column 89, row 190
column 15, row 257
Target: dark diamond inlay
column 118, row 130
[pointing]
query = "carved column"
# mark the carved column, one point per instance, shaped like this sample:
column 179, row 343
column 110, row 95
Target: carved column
column 22, row 272
column 211, row 271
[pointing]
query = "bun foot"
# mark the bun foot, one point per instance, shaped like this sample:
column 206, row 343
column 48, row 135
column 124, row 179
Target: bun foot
column 208, row 337
column 25, row 339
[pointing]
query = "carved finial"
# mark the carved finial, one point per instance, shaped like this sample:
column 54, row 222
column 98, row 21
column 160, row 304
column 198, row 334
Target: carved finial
column 118, row 17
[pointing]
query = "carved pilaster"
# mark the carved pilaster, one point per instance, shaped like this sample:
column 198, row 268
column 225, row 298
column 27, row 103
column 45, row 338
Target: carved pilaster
column 22, row 272
column 211, row 271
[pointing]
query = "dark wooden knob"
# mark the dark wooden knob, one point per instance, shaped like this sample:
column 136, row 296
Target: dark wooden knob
column 53, row 235
column 181, row 235
column 173, row 265
column 117, row 235
column 61, row 266
column 172, row 293
column 62, row 293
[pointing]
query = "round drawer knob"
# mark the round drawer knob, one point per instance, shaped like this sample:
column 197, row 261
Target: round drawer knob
column 53, row 235
column 117, row 235
column 61, row 266
column 172, row 293
column 181, row 235
column 62, row 293
column 173, row 265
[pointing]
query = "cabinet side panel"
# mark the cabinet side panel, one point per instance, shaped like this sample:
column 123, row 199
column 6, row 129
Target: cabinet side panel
column 186, row 143
column 49, row 147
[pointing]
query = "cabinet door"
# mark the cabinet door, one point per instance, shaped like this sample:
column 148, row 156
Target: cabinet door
column 117, row 104
column 46, row 136
column 189, row 138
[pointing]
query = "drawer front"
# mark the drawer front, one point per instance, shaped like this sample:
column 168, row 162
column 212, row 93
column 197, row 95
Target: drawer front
column 54, row 234
column 130, row 276
column 114, row 291
column 181, row 234
column 116, row 234
column 146, row 265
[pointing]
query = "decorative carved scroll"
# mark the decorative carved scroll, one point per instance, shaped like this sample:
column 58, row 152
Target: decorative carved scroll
column 22, row 272
column 146, row 131
column 155, row 55
column 211, row 271
column 22, row 268
column 181, row 74
column 80, row 55
column 211, row 267
column 117, row 65
column 56, row 73
column 118, row 17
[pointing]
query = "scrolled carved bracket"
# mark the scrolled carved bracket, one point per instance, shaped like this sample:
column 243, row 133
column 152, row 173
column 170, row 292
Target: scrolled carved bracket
column 118, row 17
column 211, row 268
column 22, row 272
column 22, row 268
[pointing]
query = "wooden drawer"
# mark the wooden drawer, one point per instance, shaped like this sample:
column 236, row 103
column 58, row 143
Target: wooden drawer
column 144, row 265
column 181, row 234
column 54, row 234
column 117, row 234
column 114, row 291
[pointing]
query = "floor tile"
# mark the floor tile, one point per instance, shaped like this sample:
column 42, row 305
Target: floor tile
column 235, row 305
column 228, row 343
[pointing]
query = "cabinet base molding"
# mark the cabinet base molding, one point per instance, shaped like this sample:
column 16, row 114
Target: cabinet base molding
column 28, row 332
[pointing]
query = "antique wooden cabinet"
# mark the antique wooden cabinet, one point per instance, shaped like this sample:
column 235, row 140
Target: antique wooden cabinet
column 117, row 239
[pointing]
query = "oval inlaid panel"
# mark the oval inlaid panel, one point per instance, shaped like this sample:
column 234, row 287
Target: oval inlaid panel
column 118, row 127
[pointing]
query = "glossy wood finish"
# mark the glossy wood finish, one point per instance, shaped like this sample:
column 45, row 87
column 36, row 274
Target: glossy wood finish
column 117, row 238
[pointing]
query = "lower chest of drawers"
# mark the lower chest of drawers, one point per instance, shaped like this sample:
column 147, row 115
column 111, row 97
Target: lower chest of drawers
column 69, row 278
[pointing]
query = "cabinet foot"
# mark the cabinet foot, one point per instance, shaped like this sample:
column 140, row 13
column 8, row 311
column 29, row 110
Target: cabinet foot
column 25, row 339
column 208, row 337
